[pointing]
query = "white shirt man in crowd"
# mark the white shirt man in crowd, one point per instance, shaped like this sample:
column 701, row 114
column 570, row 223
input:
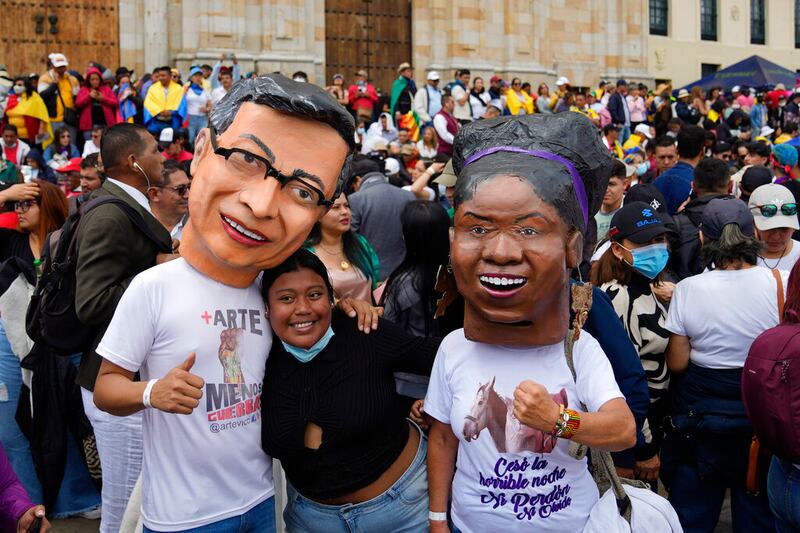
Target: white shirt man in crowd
column 428, row 100
column 226, row 82
column 775, row 213
column 460, row 92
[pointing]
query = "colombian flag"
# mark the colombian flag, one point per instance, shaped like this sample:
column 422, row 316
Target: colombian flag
column 155, row 102
column 410, row 121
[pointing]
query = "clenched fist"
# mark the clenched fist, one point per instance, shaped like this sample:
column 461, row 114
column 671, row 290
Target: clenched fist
column 534, row 406
column 179, row 391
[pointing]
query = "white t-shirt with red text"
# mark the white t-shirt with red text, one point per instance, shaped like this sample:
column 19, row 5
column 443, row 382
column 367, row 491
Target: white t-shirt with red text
column 510, row 477
column 204, row 467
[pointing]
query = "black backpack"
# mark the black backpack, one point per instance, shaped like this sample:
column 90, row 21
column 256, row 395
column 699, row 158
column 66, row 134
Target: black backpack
column 51, row 318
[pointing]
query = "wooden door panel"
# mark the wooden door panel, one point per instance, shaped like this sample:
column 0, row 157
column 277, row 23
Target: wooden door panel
column 87, row 31
column 370, row 34
column 345, row 39
column 23, row 41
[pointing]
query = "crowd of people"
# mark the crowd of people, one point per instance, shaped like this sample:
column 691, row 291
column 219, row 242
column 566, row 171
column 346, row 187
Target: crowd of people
column 199, row 277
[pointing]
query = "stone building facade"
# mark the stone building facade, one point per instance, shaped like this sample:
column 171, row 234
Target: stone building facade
column 681, row 54
column 538, row 40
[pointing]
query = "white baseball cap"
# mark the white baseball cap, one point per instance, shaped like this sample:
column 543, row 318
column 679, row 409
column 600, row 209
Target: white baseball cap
column 644, row 129
column 58, row 60
column 562, row 81
column 393, row 166
column 777, row 195
column 167, row 135
column 433, row 75
column 736, row 89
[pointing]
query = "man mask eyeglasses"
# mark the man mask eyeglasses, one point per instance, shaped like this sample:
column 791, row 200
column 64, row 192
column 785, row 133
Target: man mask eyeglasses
column 252, row 188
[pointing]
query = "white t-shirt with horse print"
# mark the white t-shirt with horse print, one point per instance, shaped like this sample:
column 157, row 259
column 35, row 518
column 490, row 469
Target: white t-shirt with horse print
column 510, row 477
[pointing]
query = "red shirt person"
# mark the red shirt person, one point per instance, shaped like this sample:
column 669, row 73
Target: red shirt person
column 363, row 96
column 172, row 143
column 96, row 102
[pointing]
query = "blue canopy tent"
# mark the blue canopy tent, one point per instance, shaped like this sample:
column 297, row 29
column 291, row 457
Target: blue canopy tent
column 754, row 72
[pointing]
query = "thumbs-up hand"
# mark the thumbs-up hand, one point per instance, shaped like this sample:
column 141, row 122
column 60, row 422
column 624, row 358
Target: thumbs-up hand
column 179, row 391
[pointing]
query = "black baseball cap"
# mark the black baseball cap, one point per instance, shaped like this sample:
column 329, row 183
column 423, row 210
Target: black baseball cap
column 720, row 212
column 637, row 222
column 647, row 193
column 754, row 177
column 123, row 71
column 721, row 147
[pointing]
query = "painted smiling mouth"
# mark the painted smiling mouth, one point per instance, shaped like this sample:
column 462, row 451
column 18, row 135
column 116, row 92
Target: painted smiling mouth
column 239, row 228
column 499, row 282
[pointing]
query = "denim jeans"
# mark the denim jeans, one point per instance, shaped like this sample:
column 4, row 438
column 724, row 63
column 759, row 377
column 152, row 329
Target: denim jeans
column 402, row 508
column 698, row 503
column 15, row 443
column 119, row 445
column 196, row 123
column 624, row 134
column 77, row 493
column 784, row 495
column 259, row 519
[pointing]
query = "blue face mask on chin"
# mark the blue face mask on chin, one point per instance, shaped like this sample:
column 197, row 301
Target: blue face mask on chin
column 305, row 355
column 650, row 260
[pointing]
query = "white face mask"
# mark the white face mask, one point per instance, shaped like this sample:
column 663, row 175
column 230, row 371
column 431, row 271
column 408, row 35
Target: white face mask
column 19, row 89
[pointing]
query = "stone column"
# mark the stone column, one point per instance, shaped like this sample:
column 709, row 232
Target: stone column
column 486, row 37
column 155, row 34
column 131, row 35
column 209, row 28
column 293, row 38
column 526, row 44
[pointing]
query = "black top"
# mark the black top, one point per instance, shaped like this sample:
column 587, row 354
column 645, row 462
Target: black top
column 14, row 243
column 98, row 115
column 348, row 390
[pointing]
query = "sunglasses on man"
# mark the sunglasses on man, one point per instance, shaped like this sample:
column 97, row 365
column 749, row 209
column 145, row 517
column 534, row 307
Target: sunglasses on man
column 770, row 210
column 180, row 190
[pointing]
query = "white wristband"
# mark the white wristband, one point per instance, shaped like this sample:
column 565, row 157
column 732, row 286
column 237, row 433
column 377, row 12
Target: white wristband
column 146, row 394
column 437, row 517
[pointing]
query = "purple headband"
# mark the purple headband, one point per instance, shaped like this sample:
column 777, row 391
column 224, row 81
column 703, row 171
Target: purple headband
column 577, row 182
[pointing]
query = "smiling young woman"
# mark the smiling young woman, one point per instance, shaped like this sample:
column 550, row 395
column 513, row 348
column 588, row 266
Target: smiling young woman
column 353, row 264
column 333, row 420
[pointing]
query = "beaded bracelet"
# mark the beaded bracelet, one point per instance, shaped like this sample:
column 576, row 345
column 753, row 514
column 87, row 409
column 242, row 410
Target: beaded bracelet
column 567, row 423
column 572, row 423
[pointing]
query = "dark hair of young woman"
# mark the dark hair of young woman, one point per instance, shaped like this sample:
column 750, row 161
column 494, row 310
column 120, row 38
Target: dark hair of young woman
column 302, row 258
column 609, row 268
column 426, row 227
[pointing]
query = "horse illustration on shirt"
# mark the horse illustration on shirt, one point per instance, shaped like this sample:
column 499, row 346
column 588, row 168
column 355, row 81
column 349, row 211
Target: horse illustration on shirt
column 495, row 412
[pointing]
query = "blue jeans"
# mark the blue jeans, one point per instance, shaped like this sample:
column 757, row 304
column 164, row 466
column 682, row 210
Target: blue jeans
column 698, row 503
column 402, row 508
column 259, row 519
column 784, row 495
column 624, row 133
column 196, row 123
column 155, row 126
column 77, row 493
